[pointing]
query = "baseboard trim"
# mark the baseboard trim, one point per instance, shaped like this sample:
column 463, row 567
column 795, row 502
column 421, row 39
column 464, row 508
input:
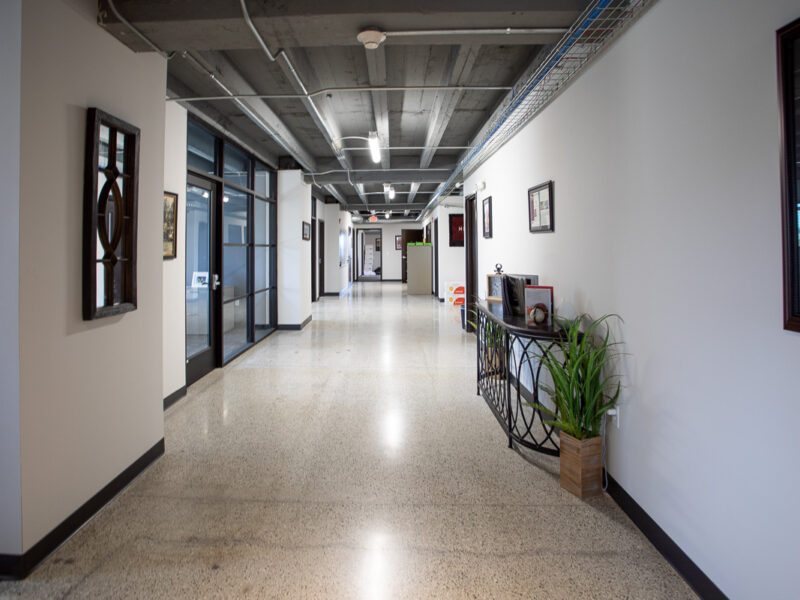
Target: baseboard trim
column 685, row 566
column 19, row 566
column 441, row 300
column 174, row 397
column 295, row 327
column 330, row 294
column 391, row 280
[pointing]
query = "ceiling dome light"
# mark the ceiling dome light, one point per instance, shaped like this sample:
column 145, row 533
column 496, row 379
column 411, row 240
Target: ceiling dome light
column 391, row 192
column 371, row 38
column 374, row 146
column 387, row 215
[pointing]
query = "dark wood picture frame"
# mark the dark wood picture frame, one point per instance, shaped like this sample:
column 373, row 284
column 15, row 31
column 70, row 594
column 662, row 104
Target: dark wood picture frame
column 170, row 226
column 788, row 41
column 487, row 217
column 110, row 214
column 306, row 230
column 541, row 217
column 398, row 242
column 456, row 229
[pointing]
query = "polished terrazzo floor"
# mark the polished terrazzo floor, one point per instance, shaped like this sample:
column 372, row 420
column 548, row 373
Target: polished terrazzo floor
column 351, row 460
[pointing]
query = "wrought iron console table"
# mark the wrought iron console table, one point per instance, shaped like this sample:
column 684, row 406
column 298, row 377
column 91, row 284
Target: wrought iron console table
column 509, row 372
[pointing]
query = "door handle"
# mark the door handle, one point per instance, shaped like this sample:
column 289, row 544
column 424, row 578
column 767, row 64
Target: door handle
column 214, row 281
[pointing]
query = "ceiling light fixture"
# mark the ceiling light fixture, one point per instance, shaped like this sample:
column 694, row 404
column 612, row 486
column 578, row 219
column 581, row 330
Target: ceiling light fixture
column 374, row 146
column 387, row 215
column 391, row 192
column 371, row 38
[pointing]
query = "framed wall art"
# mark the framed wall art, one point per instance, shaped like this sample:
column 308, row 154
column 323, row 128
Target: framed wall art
column 457, row 230
column 170, row 225
column 789, row 94
column 540, row 208
column 487, row 217
column 306, row 230
column 111, row 187
column 398, row 242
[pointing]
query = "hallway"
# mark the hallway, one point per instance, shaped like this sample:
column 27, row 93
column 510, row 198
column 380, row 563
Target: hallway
column 352, row 459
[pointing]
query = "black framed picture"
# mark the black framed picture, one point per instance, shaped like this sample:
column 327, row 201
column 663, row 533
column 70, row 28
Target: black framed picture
column 457, row 230
column 487, row 217
column 789, row 93
column 110, row 210
column 170, row 225
column 540, row 208
column 398, row 242
column 306, row 230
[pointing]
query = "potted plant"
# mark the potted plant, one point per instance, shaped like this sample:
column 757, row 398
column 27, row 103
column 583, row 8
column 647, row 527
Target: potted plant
column 582, row 391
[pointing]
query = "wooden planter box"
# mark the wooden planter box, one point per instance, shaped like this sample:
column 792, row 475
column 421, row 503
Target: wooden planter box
column 581, row 465
column 494, row 363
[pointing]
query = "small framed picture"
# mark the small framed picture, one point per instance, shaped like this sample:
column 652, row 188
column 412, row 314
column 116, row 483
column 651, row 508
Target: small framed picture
column 540, row 208
column 378, row 245
column 398, row 242
column 306, row 230
column 170, row 225
column 456, row 230
column 487, row 217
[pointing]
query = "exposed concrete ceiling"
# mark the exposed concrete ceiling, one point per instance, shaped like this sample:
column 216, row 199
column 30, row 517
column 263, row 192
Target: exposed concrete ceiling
column 422, row 132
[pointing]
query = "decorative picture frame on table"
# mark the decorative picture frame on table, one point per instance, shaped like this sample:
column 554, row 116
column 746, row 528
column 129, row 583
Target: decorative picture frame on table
column 398, row 242
column 306, row 230
column 456, row 223
column 110, row 211
column 540, row 208
column 170, row 233
column 487, row 217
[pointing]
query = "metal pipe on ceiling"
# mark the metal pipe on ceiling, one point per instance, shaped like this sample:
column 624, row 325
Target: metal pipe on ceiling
column 315, row 113
column 480, row 31
column 330, row 90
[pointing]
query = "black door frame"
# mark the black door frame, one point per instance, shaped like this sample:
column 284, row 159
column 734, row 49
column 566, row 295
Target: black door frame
column 359, row 259
column 436, row 257
column 321, row 226
column 471, row 252
column 204, row 362
column 314, row 291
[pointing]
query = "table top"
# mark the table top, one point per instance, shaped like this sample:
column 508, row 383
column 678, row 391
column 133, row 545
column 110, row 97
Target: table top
column 517, row 325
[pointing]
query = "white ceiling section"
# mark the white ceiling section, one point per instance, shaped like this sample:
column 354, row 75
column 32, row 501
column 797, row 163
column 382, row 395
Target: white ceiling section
column 441, row 83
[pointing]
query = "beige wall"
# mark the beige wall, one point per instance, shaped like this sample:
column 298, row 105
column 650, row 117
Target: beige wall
column 174, row 288
column 91, row 392
column 294, row 253
column 665, row 155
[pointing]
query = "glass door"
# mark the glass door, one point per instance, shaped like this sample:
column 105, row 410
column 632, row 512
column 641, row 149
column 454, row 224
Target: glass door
column 202, row 279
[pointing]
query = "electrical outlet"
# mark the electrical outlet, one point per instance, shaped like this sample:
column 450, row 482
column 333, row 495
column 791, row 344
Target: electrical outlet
column 614, row 413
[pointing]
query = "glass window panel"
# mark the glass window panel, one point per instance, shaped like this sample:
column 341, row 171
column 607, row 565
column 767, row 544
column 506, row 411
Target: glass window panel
column 261, row 221
column 198, row 211
column 103, row 155
column 234, row 222
column 234, row 327
column 201, row 149
column 120, row 152
column 234, row 271
column 261, row 314
column 262, row 177
column 237, row 166
column 263, row 268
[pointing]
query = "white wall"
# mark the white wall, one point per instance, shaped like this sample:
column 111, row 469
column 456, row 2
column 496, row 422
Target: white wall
column 10, row 65
column 294, row 253
column 91, row 392
column 174, row 290
column 336, row 275
column 392, row 259
column 665, row 158
column 452, row 260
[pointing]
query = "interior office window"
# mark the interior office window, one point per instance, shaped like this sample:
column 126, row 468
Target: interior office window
column 264, row 267
column 263, row 180
column 201, row 149
column 237, row 166
column 789, row 68
column 235, row 270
